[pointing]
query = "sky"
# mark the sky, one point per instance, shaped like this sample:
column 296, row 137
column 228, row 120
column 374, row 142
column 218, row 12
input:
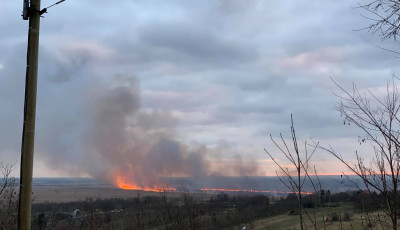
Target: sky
column 212, row 79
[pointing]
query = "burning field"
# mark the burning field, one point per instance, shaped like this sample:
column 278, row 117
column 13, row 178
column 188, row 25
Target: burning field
column 213, row 185
column 134, row 149
column 73, row 189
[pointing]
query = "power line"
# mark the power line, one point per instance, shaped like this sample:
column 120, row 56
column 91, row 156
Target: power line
column 55, row 4
column 27, row 9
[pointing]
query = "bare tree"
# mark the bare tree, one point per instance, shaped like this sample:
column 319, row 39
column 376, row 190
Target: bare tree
column 385, row 17
column 8, row 197
column 378, row 119
column 300, row 161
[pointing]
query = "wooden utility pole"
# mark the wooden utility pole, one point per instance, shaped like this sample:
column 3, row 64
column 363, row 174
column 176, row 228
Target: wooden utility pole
column 28, row 136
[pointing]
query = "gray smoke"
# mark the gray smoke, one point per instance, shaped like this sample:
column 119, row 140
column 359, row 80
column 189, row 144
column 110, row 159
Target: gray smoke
column 118, row 139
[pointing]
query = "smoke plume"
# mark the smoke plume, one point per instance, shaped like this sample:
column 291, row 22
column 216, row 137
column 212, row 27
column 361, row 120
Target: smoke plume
column 118, row 140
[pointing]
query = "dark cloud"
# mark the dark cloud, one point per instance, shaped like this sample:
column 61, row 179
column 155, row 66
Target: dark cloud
column 196, row 43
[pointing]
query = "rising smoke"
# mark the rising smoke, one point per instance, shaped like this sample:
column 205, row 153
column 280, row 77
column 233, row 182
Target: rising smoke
column 120, row 140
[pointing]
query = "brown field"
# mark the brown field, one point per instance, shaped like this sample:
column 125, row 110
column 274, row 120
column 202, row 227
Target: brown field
column 73, row 193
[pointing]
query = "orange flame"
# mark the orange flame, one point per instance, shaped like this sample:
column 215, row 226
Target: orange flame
column 122, row 184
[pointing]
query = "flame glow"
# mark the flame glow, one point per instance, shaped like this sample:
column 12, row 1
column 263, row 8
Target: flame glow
column 122, row 184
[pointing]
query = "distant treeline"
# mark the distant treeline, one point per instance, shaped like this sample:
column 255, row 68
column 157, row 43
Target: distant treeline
column 185, row 211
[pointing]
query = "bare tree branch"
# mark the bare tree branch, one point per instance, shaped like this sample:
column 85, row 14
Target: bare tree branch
column 301, row 163
column 378, row 119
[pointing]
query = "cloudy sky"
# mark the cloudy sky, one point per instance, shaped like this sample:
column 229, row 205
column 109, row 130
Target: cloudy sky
column 221, row 74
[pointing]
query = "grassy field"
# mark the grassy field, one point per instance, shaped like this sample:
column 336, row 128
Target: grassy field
column 357, row 221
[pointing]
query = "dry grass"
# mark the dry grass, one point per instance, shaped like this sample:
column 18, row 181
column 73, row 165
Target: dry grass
column 359, row 221
column 73, row 193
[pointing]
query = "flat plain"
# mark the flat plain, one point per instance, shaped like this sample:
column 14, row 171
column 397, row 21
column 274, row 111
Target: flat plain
column 48, row 193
